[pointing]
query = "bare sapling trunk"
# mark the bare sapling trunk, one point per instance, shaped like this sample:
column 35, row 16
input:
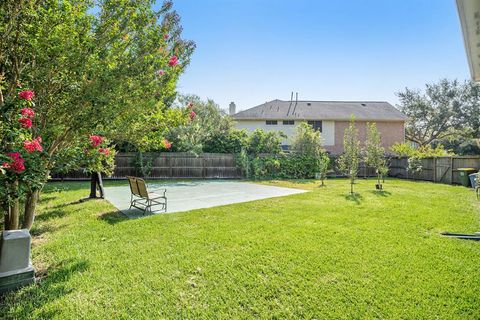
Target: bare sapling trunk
column 30, row 206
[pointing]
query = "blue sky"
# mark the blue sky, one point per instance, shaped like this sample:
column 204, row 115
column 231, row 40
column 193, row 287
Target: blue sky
column 252, row 51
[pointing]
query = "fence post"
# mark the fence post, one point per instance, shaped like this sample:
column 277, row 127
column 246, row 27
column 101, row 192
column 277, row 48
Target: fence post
column 434, row 169
column 170, row 167
column 451, row 170
column 204, row 169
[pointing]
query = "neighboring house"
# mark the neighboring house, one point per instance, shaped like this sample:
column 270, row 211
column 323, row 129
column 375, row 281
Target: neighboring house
column 331, row 118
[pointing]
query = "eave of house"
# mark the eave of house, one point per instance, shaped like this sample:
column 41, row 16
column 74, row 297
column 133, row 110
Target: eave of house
column 469, row 14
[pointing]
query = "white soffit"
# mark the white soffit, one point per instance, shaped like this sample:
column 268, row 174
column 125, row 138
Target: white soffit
column 469, row 13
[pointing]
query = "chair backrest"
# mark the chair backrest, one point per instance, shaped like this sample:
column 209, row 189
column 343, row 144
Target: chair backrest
column 142, row 188
column 133, row 185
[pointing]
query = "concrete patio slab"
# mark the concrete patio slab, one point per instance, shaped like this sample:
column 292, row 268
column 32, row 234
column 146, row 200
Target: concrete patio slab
column 185, row 196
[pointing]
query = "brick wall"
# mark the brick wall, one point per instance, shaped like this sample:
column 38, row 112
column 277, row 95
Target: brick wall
column 391, row 132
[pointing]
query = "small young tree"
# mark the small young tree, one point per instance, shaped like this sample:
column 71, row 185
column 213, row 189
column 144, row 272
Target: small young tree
column 374, row 152
column 415, row 155
column 324, row 163
column 349, row 160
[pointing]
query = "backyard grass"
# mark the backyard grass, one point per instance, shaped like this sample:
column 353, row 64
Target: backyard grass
column 321, row 254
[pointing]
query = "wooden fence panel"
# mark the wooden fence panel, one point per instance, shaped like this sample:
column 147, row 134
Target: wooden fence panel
column 440, row 169
column 168, row 165
column 172, row 165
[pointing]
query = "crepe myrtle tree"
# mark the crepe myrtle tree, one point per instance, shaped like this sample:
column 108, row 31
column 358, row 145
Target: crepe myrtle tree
column 97, row 158
column 375, row 153
column 349, row 161
column 107, row 66
column 22, row 158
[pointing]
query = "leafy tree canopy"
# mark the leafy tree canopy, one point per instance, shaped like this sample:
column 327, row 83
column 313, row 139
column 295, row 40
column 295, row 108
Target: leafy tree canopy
column 210, row 129
column 107, row 66
column 444, row 110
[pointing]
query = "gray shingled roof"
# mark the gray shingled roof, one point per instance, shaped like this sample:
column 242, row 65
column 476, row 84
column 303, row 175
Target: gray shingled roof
column 322, row 110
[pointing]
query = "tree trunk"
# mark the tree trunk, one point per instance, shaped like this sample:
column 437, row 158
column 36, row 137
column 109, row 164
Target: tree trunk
column 13, row 212
column 96, row 180
column 100, row 185
column 93, row 185
column 14, row 216
column 6, row 217
column 30, row 206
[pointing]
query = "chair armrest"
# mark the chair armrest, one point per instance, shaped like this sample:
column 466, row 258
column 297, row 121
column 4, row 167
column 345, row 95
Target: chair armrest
column 160, row 190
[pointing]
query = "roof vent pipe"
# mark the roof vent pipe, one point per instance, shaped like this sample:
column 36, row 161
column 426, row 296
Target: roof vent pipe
column 232, row 108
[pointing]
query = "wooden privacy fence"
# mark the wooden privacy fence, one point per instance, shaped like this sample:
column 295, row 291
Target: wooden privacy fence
column 440, row 169
column 167, row 165
column 178, row 165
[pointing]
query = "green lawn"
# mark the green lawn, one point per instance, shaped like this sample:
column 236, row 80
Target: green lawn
column 320, row 254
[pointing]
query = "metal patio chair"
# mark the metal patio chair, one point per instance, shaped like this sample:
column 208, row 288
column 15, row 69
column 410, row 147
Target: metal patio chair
column 144, row 200
column 477, row 186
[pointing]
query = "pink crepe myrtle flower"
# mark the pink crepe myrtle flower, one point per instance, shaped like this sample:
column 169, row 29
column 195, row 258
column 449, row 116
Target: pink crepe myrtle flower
column 192, row 115
column 25, row 122
column 166, row 37
column 160, row 73
column 5, row 165
column 18, row 164
column 95, row 140
column 34, row 145
column 104, row 151
column 167, row 144
column 27, row 112
column 26, row 94
column 173, row 61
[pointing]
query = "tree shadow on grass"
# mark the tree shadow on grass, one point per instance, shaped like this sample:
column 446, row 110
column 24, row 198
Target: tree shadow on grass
column 72, row 203
column 56, row 211
column 50, row 214
column 52, row 283
column 113, row 217
column 39, row 229
column 355, row 197
column 45, row 199
column 381, row 193
column 57, row 186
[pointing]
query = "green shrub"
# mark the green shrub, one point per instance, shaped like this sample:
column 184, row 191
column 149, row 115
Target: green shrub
column 285, row 166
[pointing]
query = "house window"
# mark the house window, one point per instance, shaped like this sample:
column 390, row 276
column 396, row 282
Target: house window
column 288, row 122
column 316, row 125
column 271, row 122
